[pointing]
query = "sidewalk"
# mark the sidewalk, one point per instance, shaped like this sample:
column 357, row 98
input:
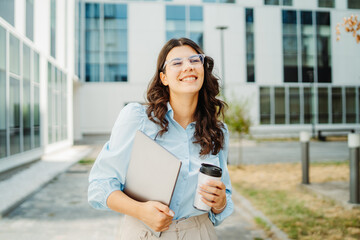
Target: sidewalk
column 60, row 211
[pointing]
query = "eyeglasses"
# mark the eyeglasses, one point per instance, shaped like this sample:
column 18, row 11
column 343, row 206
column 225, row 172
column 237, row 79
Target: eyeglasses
column 194, row 60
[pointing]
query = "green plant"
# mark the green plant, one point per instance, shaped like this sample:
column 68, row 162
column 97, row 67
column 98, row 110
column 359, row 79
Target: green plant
column 237, row 117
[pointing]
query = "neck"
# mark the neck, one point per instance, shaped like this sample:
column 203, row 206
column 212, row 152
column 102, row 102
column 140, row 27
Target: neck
column 184, row 108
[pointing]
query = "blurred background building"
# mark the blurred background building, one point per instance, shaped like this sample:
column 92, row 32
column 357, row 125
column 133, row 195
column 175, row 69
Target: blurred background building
column 68, row 67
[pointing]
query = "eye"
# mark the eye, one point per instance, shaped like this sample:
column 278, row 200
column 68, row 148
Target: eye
column 176, row 63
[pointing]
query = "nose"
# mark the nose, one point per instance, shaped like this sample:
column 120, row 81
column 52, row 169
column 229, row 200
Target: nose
column 187, row 65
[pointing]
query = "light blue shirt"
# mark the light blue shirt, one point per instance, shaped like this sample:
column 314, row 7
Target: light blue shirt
column 109, row 171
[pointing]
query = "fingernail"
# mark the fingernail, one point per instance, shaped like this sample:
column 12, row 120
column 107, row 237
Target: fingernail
column 171, row 213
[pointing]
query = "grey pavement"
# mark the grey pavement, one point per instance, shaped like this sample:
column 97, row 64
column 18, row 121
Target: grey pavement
column 59, row 210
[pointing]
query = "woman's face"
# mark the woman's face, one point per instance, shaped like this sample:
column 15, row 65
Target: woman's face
column 184, row 71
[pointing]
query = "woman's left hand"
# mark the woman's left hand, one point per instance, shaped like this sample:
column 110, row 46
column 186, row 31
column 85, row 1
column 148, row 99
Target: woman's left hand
column 214, row 195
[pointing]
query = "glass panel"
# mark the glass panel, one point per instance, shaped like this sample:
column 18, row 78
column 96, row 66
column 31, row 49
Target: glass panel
column 354, row 4
column 323, row 46
column 271, row 2
column 196, row 13
column 7, row 10
column 287, row 2
column 36, row 117
column 112, row 73
column 36, row 68
column 308, row 103
column 350, row 105
column 14, row 55
column 250, row 53
column 14, row 116
column 307, row 47
column 26, row 63
column 279, row 105
column 26, row 116
column 115, row 11
column 53, row 28
column 265, row 106
column 30, row 19
column 197, row 37
column 175, row 25
column 2, row 49
column 323, row 105
column 290, row 46
column 92, row 40
column 336, row 105
column 3, row 143
column 175, row 12
column 294, row 105
column 327, row 3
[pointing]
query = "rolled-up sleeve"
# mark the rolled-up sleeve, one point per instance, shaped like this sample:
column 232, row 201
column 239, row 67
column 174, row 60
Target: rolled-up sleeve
column 229, row 209
column 109, row 170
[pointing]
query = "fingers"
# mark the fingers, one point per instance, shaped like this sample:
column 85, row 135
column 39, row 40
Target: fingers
column 165, row 209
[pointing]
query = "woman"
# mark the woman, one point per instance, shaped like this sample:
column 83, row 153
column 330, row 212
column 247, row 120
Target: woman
column 182, row 115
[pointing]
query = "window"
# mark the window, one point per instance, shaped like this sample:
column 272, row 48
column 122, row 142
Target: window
column 14, row 55
column 30, row 19
column 279, row 105
column 326, row 3
column 3, row 115
column 308, row 104
column 278, row 2
column 36, row 102
column 7, row 10
column 294, row 111
column 290, row 50
column 115, row 43
column 337, row 109
column 265, row 105
column 354, row 4
column 307, row 47
column 14, row 116
column 350, row 100
column 250, row 51
column 315, row 49
column 92, row 44
column 26, row 103
column 323, row 39
column 53, row 28
column 323, row 105
column 184, row 21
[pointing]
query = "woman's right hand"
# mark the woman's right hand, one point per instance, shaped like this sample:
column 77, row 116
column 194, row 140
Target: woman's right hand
column 156, row 215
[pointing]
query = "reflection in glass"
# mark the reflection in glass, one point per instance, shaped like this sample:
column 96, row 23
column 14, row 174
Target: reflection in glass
column 92, row 42
column 265, row 106
column 36, row 68
column 30, row 19
column 36, row 116
column 294, row 105
column 196, row 24
column 323, row 40
column 115, row 42
column 14, row 55
column 26, row 110
column 7, row 10
column 354, row 4
column 290, row 49
column 350, row 105
column 272, row 2
column 308, row 105
column 323, row 105
column 53, row 28
column 327, row 3
column 336, row 98
column 3, row 143
column 279, row 105
column 307, row 47
column 250, row 51
column 14, row 116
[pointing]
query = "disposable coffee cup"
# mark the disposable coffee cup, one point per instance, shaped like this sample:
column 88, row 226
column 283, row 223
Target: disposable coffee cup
column 207, row 172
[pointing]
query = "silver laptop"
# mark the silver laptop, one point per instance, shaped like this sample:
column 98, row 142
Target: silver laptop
column 152, row 172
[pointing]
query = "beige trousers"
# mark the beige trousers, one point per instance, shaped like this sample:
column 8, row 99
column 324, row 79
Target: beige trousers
column 193, row 228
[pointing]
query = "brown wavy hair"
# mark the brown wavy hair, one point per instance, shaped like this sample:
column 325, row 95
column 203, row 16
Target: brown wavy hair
column 208, row 128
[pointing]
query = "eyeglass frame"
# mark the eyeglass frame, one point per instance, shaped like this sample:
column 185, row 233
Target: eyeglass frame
column 202, row 56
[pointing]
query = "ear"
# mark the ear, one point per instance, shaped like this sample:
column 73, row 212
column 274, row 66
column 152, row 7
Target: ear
column 163, row 79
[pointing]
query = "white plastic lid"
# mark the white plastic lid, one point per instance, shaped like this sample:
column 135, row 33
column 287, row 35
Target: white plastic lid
column 353, row 140
column 305, row 136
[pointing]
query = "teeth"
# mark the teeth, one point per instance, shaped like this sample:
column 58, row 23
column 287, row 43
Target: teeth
column 188, row 79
